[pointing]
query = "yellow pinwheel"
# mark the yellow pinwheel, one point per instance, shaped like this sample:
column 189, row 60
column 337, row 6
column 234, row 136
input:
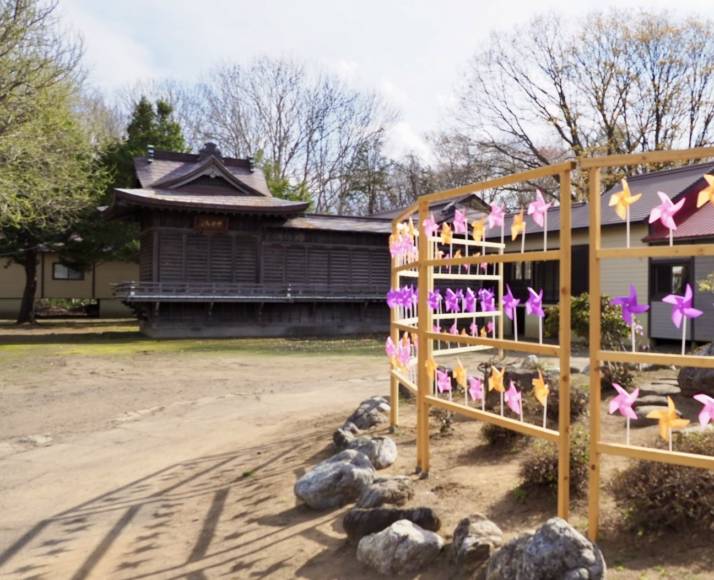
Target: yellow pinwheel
column 411, row 229
column 484, row 332
column 446, row 233
column 460, row 374
column 478, row 227
column 622, row 200
column 430, row 368
column 518, row 227
column 495, row 381
column 540, row 389
column 668, row 420
column 706, row 194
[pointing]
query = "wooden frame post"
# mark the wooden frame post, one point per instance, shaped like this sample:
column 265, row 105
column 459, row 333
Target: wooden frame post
column 424, row 350
column 594, row 340
column 564, row 342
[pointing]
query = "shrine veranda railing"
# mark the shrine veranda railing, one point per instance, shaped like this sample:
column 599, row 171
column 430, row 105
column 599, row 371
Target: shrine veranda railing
column 427, row 268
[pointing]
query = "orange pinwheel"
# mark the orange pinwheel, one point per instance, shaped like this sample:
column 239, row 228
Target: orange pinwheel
column 518, row 226
column 446, row 233
column 460, row 374
column 621, row 200
column 430, row 368
column 495, row 381
column 706, row 194
column 668, row 420
column 540, row 389
column 478, row 227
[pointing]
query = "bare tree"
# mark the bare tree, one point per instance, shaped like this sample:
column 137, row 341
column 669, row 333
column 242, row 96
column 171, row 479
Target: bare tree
column 617, row 82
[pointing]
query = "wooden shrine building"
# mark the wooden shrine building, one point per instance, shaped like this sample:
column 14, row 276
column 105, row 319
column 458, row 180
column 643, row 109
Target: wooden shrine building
column 220, row 256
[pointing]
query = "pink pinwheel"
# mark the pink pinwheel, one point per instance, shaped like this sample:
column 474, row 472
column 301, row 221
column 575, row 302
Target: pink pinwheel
column 443, row 381
column 404, row 352
column 454, row 329
column 682, row 306
column 707, row 413
column 469, row 301
column 430, row 226
column 476, row 389
column 513, row 399
column 390, row 349
column 534, row 304
column 436, row 328
column 510, row 303
column 623, row 402
column 473, row 329
column 487, row 299
column 495, row 218
column 461, row 226
column 630, row 306
column 665, row 211
column 434, row 300
column 490, row 327
column 451, row 301
column 538, row 209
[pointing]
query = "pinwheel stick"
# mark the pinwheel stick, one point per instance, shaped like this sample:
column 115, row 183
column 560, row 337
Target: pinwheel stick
column 627, row 432
column 671, row 237
column 669, row 436
column 684, row 335
column 540, row 330
column 632, row 334
column 501, row 403
column 523, row 240
column 545, row 413
column 545, row 231
column 627, row 221
column 515, row 325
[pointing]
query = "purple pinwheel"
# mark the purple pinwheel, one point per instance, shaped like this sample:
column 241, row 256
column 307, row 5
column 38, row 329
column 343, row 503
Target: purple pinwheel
column 495, row 218
column 430, row 226
column 461, row 226
column 534, row 304
column 451, row 301
column 630, row 306
column 487, row 300
column 454, row 329
column 435, row 300
column 510, row 303
column 436, row 328
column 392, row 298
column 707, row 413
column 389, row 347
column 538, row 209
column 476, row 389
column 623, row 402
column 682, row 306
column 473, row 329
column 665, row 211
column 443, row 381
column 514, row 400
column 413, row 296
column 469, row 301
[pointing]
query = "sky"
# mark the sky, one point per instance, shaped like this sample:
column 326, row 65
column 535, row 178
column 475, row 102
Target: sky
column 412, row 53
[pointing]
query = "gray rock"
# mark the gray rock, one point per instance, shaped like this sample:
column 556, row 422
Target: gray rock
column 475, row 540
column 402, row 548
column 382, row 451
column 395, row 490
column 370, row 412
column 359, row 523
column 530, row 362
column 661, row 389
column 585, row 370
column 698, row 380
column 344, row 435
column 556, row 550
column 336, row 481
column 652, row 400
column 643, row 411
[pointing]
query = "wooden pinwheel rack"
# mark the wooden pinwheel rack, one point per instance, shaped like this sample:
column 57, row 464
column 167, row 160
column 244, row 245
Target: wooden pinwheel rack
column 423, row 271
column 598, row 447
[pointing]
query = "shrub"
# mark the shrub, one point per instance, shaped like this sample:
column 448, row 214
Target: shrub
column 500, row 437
column 657, row 496
column 540, row 467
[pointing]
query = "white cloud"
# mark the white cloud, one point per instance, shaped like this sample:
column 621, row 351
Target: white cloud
column 402, row 138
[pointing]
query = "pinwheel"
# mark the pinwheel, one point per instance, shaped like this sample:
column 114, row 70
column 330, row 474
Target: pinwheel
column 495, row 218
column 706, row 194
column 487, row 299
column 495, row 383
column 392, row 298
column 518, row 227
column 484, row 332
column 469, row 301
column 630, row 307
column 451, row 301
column 461, row 226
column 514, row 400
column 707, row 412
column 391, row 350
column 460, row 378
column 534, row 307
column 447, row 237
column 668, row 421
column 538, row 210
column 509, row 308
column 443, row 382
column 476, row 391
column 541, row 390
column 622, row 404
column 478, row 227
column 454, row 328
column 434, row 300
column 473, row 328
column 682, row 310
column 491, row 328
column 430, row 226
column 665, row 213
column 404, row 352
column 621, row 201
column 431, row 367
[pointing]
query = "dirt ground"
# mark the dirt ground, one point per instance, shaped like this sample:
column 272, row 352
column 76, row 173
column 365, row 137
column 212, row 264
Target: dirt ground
column 126, row 458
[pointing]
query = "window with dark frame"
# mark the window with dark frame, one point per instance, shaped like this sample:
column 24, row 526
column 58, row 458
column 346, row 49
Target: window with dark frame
column 668, row 278
column 63, row 272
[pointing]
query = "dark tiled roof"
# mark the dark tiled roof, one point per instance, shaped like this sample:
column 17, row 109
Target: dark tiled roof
column 222, row 203
column 443, row 209
column 341, row 223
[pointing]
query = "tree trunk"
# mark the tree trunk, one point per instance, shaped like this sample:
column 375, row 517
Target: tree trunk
column 27, row 306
